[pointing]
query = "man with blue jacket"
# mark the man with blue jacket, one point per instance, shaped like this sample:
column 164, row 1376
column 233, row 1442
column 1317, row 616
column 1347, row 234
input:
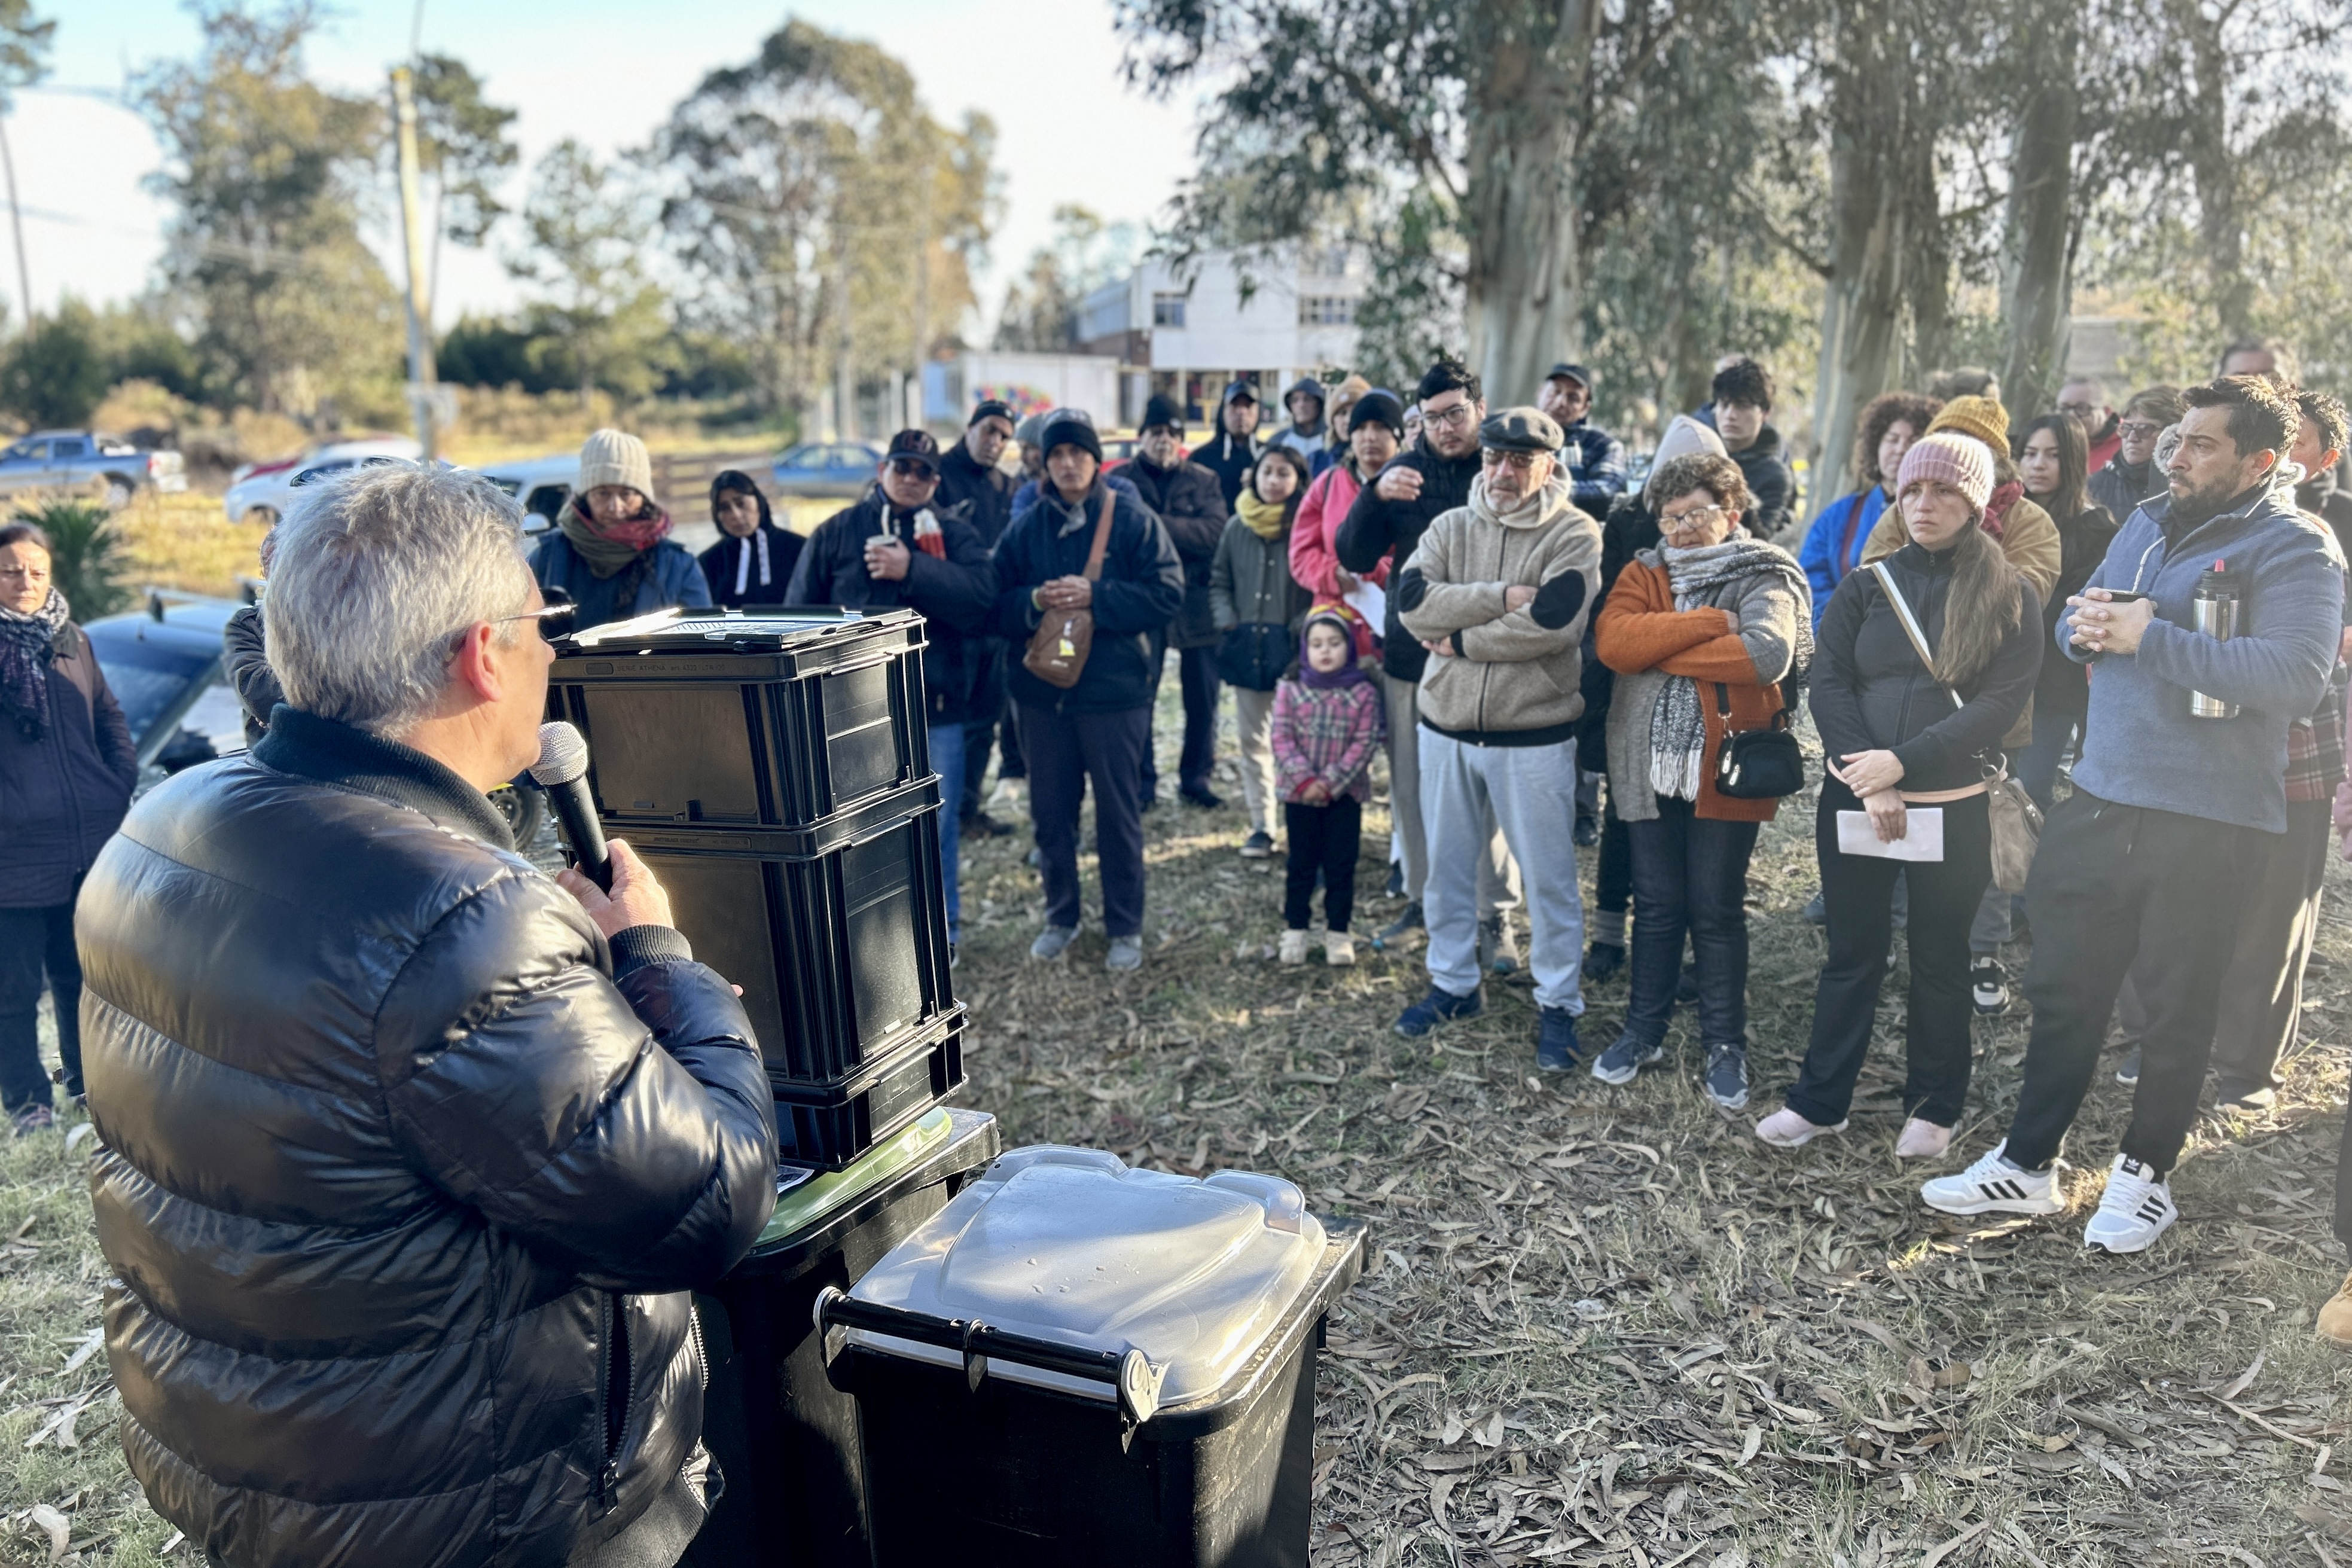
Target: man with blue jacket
column 2151, row 857
column 1097, row 728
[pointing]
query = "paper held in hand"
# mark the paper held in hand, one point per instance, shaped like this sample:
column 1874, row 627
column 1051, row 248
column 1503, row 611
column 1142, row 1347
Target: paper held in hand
column 1370, row 601
column 1923, row 835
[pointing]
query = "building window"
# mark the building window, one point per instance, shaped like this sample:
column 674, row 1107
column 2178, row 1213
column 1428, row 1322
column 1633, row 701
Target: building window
column 1325, row 310
column 1168, row 310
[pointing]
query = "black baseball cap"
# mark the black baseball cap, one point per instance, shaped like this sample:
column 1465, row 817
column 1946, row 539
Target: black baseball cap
column 1575, row 373
column 914, row 446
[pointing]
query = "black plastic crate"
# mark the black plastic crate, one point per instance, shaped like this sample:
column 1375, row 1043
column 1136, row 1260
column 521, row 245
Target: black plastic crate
column 838, row 939
column 832, row 1124
column 781, row 719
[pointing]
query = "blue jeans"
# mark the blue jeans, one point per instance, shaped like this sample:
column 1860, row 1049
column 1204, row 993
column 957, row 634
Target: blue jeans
column 1690, row 876
column 946, row 761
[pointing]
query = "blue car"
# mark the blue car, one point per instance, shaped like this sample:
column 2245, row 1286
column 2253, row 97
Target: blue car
column 822, row 468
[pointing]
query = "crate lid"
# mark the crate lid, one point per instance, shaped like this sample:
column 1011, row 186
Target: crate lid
column 1072, row 1247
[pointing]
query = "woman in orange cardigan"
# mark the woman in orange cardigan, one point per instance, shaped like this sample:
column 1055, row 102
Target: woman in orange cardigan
column 1701, row 629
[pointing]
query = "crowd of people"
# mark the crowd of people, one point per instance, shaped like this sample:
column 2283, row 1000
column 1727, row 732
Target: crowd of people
column 392, row 1121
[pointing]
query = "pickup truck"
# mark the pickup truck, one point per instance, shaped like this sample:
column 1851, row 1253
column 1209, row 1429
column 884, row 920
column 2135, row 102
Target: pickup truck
column 75, row 459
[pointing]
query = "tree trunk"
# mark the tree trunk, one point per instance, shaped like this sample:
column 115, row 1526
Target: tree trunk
column 2211, row 166
column 2035, row 249
column 1870, row 125
column 1526, row 272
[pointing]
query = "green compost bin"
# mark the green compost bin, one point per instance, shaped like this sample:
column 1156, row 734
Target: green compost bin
column 785, row 1440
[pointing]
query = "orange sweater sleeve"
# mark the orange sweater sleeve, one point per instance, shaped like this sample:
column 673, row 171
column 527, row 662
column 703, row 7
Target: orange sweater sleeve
column 1640, row 629
column 1724, row 659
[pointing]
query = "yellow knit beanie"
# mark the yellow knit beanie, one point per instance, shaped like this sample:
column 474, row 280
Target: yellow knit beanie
column 1982, row 417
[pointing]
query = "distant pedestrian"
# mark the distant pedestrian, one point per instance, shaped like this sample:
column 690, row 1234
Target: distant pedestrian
column 2133, row 475
column 1188, row 501
column 1743, row 393
column 752, row 562
column 1259, row 608
column 1700, row 629
column 2266, row 357
column 2320, row 435
column 1344, row 398
column 1095, row 729
column 1328, row 722
column 66, row 769
column 1235, row 446
column 973, row 482
column 1375, row 436
column 1594, row 459
column 2083, row 400
column 1306, row 432
column 612, row 551
column 1833, row 544
column 2050, row 464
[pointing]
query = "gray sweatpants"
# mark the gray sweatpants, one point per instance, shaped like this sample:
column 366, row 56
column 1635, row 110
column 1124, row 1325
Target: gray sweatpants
column 1499, row 877
column 1530, row 791
column 1253, row 727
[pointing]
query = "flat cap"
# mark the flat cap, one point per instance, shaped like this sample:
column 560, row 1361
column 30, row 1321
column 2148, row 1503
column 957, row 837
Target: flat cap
column 1521, row 429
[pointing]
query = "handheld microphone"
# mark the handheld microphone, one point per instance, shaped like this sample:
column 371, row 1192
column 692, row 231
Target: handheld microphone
column 563, row 771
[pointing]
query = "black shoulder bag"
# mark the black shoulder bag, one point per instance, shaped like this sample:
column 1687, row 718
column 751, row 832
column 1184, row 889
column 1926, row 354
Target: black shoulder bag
column 1758, row 764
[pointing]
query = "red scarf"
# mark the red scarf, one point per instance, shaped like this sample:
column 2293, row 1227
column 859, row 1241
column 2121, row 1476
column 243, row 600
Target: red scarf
column 1995, row 517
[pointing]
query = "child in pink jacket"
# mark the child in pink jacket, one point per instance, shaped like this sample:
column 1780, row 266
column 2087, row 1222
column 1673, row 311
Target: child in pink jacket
column 1327, row 723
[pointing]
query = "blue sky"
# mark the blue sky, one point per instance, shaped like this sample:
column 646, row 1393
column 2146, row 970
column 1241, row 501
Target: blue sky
column 605, row 71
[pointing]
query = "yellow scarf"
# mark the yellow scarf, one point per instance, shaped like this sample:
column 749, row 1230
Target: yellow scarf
column 1268, row 519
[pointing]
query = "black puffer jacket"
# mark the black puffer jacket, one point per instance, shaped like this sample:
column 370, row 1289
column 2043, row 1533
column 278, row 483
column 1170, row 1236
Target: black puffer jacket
column 1375, row 528
column 390, row 1142
column 1192, row 507
column 953, row 593
column 63, row 790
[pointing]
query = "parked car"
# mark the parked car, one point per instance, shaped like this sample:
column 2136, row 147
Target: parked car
column 819, row 468
column 164, row 665
column 258, row 491
column 543, row 485
column 67, row 460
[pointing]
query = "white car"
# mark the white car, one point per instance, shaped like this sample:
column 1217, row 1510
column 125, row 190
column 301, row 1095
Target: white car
column 543, row 485
column 258, row 491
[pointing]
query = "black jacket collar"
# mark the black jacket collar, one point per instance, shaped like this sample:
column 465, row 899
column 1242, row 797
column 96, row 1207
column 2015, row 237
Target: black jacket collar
column 310, row 747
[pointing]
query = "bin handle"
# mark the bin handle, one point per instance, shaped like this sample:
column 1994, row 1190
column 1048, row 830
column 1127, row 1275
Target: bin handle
column 1135, row 1381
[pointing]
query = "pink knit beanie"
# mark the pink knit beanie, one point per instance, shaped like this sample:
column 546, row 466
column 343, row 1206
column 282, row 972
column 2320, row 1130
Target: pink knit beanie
column 1962, row 462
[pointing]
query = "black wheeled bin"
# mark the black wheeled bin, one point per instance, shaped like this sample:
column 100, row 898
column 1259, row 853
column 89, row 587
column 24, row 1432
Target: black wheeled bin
column 1073, row 1362
column 784, row 1436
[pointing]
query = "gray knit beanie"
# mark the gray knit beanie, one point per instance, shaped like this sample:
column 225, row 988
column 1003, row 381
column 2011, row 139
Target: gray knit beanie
column 615, row 457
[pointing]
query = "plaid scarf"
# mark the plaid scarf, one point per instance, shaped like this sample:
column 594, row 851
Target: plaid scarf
column 1678, row 724
column 26, row 642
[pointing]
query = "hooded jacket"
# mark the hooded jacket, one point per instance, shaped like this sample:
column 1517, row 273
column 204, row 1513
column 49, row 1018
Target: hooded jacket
column 2120, row 487
column 402, row 1170
column 1191, row 507
column 1513, row 677
column 1307, row 442
column 2140, row 746
column 1139, row 592
column 953, row 593
column 724, row 565
column 1227, row 456
column 1871, row 692
column 63, row 790
column 984, row 495
column 1375, row 528
column 1765, row 466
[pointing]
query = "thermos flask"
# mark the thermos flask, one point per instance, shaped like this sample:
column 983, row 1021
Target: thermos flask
column 2214, row 612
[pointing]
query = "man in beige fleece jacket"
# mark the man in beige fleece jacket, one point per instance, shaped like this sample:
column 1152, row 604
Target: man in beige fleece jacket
column 1498, row 592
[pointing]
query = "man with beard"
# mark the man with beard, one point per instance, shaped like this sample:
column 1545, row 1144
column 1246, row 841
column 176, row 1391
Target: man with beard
column 2159, row 845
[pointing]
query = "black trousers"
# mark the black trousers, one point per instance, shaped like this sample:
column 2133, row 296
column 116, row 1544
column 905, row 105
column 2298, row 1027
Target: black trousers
column 2262, row 990
column 995, row 726
column 1613, row 881
column 1065, row 751
column 2113, row 884
column 1690, row 882
column 1196, row 669
column 1324, row 838
column 1859, row 890
column 36, row 945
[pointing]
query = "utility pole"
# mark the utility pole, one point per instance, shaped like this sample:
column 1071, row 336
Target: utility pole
column 422, row 379
column 16, row 221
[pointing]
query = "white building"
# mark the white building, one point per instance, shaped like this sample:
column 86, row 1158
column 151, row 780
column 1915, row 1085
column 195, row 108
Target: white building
column 1188, row 335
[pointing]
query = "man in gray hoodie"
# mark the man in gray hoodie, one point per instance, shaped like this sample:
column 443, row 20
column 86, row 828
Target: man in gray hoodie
column 2152, row 855
column 1498, row 592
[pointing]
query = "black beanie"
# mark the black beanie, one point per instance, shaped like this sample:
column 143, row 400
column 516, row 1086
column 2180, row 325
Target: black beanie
column 1069, row 428
column 1379, row 407
column 1161, row 410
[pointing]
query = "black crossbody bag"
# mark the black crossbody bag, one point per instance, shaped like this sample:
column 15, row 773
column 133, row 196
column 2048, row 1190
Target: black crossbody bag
column 1758, row 764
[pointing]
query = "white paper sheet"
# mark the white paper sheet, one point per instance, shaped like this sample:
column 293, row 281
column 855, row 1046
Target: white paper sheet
column 1923, row 835
column 1371, row 602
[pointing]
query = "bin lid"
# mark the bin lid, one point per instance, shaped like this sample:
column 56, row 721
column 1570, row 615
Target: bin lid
column 1073, row 1247
column 676, row 630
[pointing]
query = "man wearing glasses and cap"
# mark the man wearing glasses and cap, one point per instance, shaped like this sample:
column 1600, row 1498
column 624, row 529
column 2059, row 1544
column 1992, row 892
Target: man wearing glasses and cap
column 894, row 550
column 1593, row 460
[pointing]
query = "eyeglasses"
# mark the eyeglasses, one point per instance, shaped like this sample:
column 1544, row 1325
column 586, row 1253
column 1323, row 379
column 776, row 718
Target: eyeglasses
column 554, row 619
column 1697, row 517
column 2139, row 430
column 2079, row 410
column 912, row 469
column 1517, row 462
column 1459, row 414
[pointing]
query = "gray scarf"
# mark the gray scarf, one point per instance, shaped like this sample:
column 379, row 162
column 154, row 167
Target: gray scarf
column 1678, row 724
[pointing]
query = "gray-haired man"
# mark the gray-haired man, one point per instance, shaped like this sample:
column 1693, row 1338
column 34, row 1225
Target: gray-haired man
column 408, row 1155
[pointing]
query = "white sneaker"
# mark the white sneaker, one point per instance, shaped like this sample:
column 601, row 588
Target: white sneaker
column 2136, row 1208
column 1922, row 1139
column 1009, row 793
column 1997, row 1184
column 1339, row 949
column 1294, row 948
column 1786, row 1129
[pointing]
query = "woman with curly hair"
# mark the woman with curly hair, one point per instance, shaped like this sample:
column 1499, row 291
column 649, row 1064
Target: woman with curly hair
column 1833, row 544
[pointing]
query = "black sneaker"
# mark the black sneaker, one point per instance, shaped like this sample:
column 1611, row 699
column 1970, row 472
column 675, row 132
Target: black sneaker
column 1989, row 985
column 1258, row 846
column 980, row 825
column 1817, row 910
column 2127, row 1069
column 1201, row 795
column 1588, row 830
column 1557, row 1047
column 1727, row 1076
column 1439, row 1007
column 1408, row 922
column 1396, row 880
column 1621, row 1062
column 1603, row 962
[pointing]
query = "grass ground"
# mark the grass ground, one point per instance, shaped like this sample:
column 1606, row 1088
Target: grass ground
column 1603, row 1325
